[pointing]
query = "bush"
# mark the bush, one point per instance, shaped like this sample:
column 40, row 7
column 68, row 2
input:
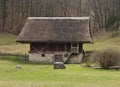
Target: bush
column 107, row 58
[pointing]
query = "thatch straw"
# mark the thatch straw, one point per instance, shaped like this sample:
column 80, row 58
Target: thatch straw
column 55, row 29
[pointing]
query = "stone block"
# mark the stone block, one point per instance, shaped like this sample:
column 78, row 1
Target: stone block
column 59, row 65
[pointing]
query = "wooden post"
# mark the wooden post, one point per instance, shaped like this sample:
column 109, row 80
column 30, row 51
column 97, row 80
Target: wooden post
column 57, row 47
column 65, row 47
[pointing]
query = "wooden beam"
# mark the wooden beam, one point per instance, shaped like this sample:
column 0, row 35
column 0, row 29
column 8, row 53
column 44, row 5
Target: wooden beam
column 65, row 47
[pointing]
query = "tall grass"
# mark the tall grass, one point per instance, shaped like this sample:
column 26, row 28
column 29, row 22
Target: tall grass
column 104, row 43
column 8, row 44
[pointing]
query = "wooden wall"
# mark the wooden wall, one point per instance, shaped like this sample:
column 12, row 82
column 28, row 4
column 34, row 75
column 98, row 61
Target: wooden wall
column 52, row 47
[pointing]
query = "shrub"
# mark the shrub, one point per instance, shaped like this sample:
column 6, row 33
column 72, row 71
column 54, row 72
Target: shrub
column 107, row 58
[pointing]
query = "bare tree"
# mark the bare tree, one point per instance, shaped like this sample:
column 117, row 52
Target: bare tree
column 104, row 14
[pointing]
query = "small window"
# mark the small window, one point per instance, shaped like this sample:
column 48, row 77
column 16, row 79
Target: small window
column 42, row 55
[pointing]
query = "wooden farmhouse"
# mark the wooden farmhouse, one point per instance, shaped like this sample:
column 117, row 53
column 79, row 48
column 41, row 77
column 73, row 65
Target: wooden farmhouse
column 56, row 38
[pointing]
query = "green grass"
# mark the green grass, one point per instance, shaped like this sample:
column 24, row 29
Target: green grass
column 7, row 39
column 8, row 44
column 104, row 43
column 37, row 75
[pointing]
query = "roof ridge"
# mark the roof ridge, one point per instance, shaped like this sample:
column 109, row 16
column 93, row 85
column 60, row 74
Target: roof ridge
column 81, row 18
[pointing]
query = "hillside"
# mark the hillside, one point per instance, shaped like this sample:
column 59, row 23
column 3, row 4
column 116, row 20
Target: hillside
column 8, row 44
column 7, row 39
column 104, row 42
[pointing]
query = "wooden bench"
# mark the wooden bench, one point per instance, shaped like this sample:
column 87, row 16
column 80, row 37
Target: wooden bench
column 115, row 67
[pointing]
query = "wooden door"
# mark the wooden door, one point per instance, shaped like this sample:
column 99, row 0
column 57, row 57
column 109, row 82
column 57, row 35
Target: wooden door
column 58, row 58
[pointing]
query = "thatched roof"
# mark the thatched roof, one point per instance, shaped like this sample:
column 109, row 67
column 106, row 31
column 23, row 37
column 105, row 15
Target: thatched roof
column 55, row 29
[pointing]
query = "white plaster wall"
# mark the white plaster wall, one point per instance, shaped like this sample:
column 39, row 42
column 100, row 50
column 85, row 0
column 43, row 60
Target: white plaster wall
column 36, row 57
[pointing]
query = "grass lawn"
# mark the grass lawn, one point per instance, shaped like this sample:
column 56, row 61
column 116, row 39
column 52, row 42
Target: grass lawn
column 8, row 44
column 36, row 75
column 7, row 39
column 104, row 43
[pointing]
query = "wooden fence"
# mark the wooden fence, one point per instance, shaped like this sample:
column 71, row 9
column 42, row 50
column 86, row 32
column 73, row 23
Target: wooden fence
column 19, row 56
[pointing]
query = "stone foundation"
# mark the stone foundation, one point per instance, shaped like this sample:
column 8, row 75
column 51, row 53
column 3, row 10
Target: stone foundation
column 41, row 57
column 49, row 58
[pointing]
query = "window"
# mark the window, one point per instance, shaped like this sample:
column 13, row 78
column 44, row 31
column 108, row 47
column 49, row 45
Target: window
column 42, row 55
